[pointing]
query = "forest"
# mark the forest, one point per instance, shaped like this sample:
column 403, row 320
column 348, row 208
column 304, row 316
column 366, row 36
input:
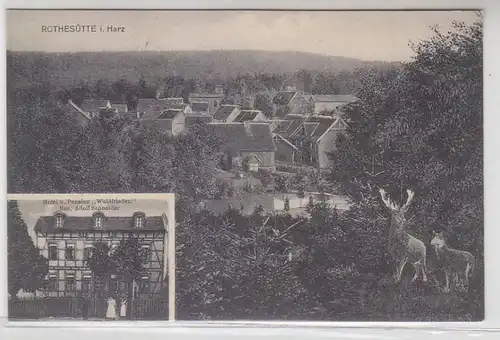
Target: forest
column 416, row 126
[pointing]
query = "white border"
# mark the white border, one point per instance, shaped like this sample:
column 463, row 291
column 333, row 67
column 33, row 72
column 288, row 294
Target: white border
column 342, row 329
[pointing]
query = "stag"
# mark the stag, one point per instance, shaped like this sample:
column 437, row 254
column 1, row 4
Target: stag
column 457, row 264
column 403, row 247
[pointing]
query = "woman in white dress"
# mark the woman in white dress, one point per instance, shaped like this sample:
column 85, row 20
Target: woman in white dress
column 111, row 311
column 123, row 308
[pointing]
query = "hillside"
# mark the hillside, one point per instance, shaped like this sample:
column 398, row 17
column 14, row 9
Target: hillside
column 64, row 69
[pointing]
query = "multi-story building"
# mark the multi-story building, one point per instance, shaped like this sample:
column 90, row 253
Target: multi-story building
column 69, row 241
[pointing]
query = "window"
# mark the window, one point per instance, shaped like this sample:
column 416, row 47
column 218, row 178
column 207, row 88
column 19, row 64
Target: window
column 113, row 284
column 59, row 221
column 139, row 222
column 98, row 221
column 83, row 234
column 70, row 282
column 70, row 252
column 216, row 103
column 87, row 252
column 86, row 282
column 52, row 251
column 53, row 284
column 145, row 285
column 112, row 234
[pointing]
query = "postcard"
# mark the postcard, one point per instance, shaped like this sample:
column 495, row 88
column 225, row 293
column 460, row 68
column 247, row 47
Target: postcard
column 326, row 165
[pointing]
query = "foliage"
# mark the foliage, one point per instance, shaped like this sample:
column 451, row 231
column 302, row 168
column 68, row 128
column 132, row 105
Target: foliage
column 26, row 267
column 420, row 127
column 100, row 262
column 129, row 259
column 235, row 266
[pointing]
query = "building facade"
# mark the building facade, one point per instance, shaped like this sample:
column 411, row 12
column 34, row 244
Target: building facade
column 69, row 241
column 329, row 102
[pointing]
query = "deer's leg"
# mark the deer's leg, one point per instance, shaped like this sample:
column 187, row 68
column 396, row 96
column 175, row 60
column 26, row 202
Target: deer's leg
column 467, row 273
column 400, row 270
column 424, row 269
column 447, row 288
column 418, row 267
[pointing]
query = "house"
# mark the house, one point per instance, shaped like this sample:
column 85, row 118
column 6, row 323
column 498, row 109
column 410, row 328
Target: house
column 249, row 146
column 250, row 116
column 92, row 106
column 82, row 117
column 315, row 140
column 213, row 99
column 331, row 102
column 290, row 102
column 149, row 108
column 226, row 113
column 282, row 129
column 68, row 242
column 171, row 121
column 200, row 107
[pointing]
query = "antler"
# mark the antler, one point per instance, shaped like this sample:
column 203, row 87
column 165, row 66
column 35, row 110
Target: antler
column 390, row 205
column 409, row 200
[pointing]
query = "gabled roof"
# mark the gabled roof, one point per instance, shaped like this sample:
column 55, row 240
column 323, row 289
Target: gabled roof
column 169, row 114
column 224, row 111
column 253, row 158
column 199, row 106
column 247, row 115
column 93, row 105
column 197, row 119
column 333, row 98
column 75, row 108
column 288, row 126
column 315, row 127
column 277, row 136
column 83, row 223
column 244, row 136
column 153, row 104
column 308, row 97
column 120, row 108
column 283, row 97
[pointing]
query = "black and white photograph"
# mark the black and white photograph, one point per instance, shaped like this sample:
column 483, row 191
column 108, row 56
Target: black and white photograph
column 90, row 257
column 326, row 165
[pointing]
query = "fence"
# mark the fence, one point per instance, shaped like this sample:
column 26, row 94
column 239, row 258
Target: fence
column 37, row 308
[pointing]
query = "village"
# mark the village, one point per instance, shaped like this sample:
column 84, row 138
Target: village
column 299, row 136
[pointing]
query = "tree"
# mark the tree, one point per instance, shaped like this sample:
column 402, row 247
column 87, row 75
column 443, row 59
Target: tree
column 27, row 269
column 100, row 264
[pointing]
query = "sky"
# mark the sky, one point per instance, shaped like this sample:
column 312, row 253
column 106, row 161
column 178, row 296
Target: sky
column 366, row 35
column 31, row 210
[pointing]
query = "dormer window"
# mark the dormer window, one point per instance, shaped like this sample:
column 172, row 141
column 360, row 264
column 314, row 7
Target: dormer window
column 59, row 220
column 139, row 220
column 98, row 219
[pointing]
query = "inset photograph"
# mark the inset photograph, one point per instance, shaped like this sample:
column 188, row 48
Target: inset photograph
column 89, row 257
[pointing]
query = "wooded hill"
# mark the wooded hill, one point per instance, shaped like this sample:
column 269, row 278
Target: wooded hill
column 67, row 69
